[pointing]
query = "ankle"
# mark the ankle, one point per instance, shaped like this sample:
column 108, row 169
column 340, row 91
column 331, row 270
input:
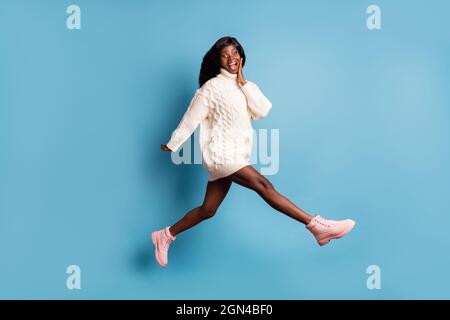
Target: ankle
column 170, row 232
column 308, row 219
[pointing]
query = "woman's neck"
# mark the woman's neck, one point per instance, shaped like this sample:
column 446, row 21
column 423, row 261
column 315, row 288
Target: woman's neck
column 228, row 75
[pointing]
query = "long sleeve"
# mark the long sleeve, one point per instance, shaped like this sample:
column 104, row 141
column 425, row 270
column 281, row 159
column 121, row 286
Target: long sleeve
column 257, row 102
column 195, row 113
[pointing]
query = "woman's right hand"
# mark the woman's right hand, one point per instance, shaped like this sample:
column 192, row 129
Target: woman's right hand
column 165, row 147
column 240, row 76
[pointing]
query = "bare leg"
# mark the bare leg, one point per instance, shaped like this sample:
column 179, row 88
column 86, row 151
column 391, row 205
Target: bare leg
column 215, row 193
column 249, row 177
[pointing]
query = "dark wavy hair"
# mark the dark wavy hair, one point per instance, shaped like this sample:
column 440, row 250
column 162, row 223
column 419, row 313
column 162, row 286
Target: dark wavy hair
column 211, row 61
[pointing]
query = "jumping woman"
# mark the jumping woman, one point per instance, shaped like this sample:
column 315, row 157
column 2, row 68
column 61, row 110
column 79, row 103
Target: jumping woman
column 224, row 106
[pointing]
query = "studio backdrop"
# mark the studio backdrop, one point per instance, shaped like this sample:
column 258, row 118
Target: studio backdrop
column 359, row 129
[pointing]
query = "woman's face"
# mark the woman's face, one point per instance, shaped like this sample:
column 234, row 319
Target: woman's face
column 230, row 59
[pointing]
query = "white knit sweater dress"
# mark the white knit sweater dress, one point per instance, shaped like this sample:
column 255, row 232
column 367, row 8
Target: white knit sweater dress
column 224, row 110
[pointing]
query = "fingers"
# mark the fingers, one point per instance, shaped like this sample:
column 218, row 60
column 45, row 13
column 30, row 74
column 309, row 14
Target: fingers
column 165, row 147
column 240, row 77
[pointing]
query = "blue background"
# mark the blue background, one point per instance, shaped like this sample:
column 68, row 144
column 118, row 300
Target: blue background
column 363, row 118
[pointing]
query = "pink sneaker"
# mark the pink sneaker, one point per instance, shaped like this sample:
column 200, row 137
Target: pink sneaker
column 162, row 240
column 325, row 230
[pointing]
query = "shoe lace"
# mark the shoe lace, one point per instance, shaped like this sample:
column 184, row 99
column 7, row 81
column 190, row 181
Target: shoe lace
column 166, row 243
column 323, row 222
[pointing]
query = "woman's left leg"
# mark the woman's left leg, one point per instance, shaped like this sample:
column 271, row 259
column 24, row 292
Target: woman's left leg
column 249, row 177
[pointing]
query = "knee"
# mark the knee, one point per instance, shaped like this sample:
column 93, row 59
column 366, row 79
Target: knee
column 207, row 212
column 265, row 186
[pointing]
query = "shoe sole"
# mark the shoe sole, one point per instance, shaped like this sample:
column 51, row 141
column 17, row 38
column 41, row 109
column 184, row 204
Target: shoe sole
column 156, row 250
column 340, row 235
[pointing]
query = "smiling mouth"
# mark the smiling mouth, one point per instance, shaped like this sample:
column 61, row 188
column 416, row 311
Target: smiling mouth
column 232, row 64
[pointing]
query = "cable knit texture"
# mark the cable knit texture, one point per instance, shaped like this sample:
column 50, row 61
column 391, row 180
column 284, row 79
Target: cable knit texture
column 224, row 110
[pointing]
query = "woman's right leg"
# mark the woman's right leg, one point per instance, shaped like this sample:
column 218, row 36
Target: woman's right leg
column 215, row 193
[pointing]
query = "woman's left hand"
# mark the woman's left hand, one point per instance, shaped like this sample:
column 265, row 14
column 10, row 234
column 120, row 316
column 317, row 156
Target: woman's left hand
column 165, row 147
column 240, row 77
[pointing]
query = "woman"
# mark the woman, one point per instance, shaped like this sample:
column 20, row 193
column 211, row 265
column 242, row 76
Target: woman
column 224, row 106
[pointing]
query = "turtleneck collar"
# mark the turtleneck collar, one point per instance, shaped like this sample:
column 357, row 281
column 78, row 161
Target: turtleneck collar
column 226, row 74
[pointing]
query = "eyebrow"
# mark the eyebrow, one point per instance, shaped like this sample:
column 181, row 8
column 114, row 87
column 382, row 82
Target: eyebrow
column 222, row 52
